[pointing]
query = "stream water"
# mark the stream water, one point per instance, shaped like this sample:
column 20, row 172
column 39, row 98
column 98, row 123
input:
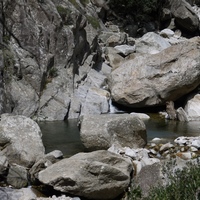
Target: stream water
column 169, row 129
column 61, row 135
column 64, row 135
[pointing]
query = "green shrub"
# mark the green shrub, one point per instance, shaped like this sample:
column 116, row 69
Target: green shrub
column 135, row 192
column 139, row 9
column 6, row 39
column 75, row 4
column 183, row 185
column 93, row 21
column 84, row 2
column 62, row 11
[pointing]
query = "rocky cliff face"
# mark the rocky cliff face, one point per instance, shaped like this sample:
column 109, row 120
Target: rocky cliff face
column 48, row 47
column 56, row 57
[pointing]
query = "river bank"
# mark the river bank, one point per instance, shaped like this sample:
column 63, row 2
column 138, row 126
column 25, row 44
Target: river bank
column 65, row 135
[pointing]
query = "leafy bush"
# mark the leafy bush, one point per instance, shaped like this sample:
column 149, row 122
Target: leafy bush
column 183, row 185
column 93, row 21
column 135, row 192
column 137, row 8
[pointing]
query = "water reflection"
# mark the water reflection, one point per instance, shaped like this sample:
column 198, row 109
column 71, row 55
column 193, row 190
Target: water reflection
column 169, row 129
column 61, row 135
column 65, row 136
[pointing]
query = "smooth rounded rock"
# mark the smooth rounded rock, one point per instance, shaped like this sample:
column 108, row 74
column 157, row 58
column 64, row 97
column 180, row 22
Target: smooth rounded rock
column 97, row 175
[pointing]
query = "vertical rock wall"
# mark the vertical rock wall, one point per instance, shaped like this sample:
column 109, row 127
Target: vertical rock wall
column 51, row 48
column 1, row 61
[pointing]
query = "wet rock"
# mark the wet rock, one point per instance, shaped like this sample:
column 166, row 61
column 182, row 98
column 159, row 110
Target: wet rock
column 170, row 110
column 182, row 115
column 140, row 115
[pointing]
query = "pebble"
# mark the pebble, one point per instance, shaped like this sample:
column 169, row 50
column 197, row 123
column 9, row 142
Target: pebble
column 184, row 155
column 156, row 139
column 166, row 146
column 193, row 149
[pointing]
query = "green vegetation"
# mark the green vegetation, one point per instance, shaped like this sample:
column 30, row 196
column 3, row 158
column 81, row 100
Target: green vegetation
column 63, row 12
column 84, row 2
column 53, row 72
column 93, row 21
column 6, row 39
column 135, row 192
column 75, row 4
column 139, row 9
column 183, row 185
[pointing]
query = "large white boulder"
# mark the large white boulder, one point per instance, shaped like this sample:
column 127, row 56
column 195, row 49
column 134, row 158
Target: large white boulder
column 102, row 131
column 151, row 43
column 152, row 80
column 192, row 108
column 97, row 175
column 21, row 139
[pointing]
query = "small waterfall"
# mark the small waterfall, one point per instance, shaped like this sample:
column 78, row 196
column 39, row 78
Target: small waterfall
column 113, row 109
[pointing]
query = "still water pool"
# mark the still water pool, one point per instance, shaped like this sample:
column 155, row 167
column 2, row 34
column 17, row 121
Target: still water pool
column 61, row 135
column 64, row 135
column 169, row 129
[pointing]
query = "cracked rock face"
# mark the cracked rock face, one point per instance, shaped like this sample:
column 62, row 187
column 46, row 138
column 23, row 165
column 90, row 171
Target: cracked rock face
column 51, row 47
column 150, row 80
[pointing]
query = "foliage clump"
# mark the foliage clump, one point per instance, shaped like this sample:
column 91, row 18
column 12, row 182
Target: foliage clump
column 84, row 2
column 63, row 12
column 182, row 185
column 139, row 9
column 93, row 21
